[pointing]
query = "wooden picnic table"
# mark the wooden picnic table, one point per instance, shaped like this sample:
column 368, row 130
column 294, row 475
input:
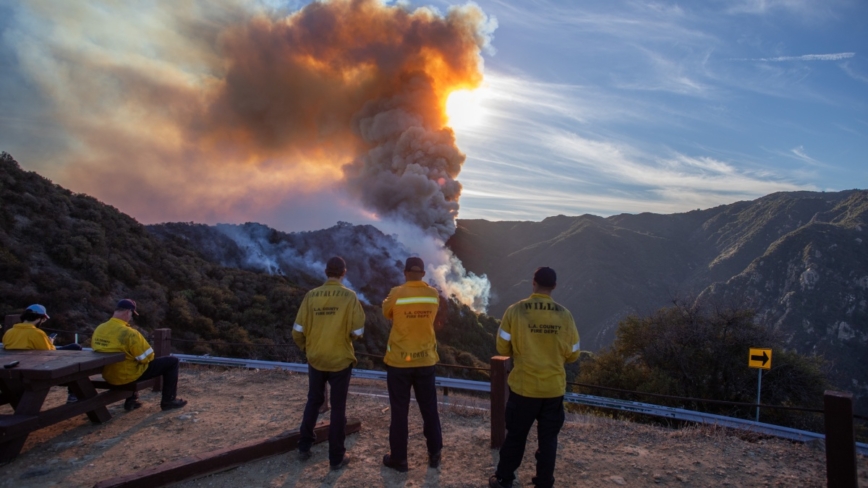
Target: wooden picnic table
column 26, row 386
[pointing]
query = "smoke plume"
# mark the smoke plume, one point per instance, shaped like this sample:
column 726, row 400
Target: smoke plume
column 230, row 110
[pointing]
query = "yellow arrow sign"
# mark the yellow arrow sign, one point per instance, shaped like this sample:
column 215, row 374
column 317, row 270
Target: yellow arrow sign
column 759, row 358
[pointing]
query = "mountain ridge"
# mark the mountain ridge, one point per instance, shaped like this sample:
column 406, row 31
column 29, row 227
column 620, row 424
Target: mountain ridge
column 610, row 267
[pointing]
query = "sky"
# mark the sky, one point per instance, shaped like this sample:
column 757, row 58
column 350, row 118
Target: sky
column 599, row 107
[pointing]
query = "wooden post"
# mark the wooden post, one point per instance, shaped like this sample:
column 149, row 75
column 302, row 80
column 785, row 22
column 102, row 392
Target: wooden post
column 840, row 440
column 9, row 321
column 500, row 367
column 162, row 347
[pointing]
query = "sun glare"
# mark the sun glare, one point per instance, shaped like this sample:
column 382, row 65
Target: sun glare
column 464, row 108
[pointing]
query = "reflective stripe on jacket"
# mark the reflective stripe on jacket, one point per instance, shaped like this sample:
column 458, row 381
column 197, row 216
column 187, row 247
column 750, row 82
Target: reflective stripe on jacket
column 117, row 336
column 541, row 337
column 329, row 319
column 412, row 307
column 26, row 336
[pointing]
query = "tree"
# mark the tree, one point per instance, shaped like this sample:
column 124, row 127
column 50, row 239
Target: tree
column 689, row 351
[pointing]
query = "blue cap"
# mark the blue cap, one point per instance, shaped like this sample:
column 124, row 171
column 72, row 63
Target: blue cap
column 38, row 310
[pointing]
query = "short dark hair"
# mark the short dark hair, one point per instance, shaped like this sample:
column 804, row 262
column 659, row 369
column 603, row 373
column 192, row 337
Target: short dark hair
column 336, row 267
column 414, row 264
column 30, row 316
column 545, row 277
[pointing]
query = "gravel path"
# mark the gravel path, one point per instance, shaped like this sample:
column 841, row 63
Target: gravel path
column 232, row 406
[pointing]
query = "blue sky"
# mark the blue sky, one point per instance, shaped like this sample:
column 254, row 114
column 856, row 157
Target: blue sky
column 600, row 107
column 605, row 107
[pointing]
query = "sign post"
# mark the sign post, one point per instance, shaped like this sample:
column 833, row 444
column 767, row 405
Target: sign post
column 760, row 359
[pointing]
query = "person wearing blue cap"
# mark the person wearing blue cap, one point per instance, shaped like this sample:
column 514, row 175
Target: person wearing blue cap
column 116, row 335
column 26, row 336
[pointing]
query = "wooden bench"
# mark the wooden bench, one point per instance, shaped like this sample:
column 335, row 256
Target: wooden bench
column 101, row 384
column 15, row 425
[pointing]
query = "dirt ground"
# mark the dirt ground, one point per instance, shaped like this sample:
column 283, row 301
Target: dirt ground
column 231, row 406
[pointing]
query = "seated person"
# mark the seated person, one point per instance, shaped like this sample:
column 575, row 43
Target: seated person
column 116, row 335
column 26, row 336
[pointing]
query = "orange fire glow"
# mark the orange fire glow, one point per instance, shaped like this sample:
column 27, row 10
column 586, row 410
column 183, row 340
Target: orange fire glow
column 249, row 108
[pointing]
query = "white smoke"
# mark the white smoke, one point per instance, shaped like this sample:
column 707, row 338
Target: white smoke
column 443, row 269
column 375, row 259
column 289, row 254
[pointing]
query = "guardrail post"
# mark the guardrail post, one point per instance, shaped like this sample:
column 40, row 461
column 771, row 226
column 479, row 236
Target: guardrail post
column 500, row 367
column 840, row 440
column 162, row 347
column 9, row 321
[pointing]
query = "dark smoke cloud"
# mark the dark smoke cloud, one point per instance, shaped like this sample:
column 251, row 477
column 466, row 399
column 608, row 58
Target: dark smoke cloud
column 363, row 79
column 409, row 173
column 201, row 108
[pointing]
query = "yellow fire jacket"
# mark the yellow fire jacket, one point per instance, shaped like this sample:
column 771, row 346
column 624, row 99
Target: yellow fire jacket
column 329, row 319
column 412, row 307
column 541, row 337
column 117, row 336
column 26, row 336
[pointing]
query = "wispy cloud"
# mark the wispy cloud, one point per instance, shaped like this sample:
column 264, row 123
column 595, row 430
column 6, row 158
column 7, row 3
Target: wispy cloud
column 529, row 163
column 799, row 7
column 672, row 75
column 853, row 73
column 804, row 57
column 799, row 153
column 629, row 20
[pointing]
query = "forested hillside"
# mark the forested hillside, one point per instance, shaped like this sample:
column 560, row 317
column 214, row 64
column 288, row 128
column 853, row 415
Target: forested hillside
column 78, row 256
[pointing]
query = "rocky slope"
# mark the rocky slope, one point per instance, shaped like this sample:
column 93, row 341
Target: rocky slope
column 799, row 258
column 811, row 286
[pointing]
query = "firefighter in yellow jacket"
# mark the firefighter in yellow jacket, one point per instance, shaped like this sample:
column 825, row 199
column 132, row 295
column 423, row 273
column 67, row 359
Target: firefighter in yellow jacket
column 116, row 335
column 329, row 319
column 411, row 354
column 540, row 336
column 27, row 336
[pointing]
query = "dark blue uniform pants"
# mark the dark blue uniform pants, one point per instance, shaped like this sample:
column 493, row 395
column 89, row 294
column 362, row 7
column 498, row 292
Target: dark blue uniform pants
column 521, row 412
column 70, row 347
column 399, row 382
column 167, row 367
column 339, row 381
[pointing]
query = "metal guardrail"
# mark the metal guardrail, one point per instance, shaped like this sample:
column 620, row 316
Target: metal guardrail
column 576, row 398
column 699, row 417
column 367, row 374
